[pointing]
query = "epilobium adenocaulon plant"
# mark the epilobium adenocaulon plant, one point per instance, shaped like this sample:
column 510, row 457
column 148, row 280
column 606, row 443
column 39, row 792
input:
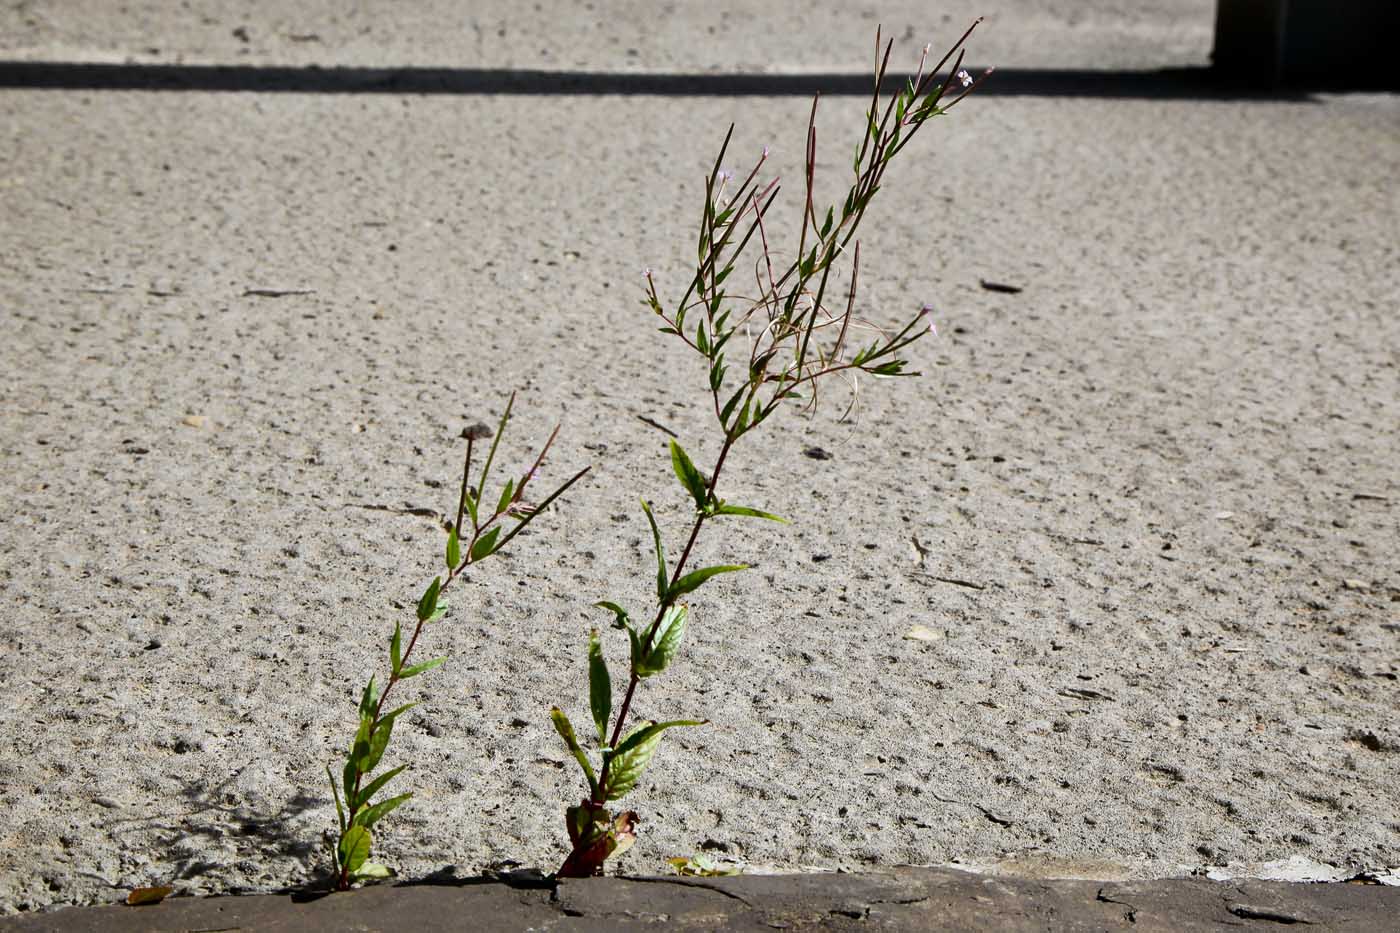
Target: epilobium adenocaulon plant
column 467, row 546
column 789, row 339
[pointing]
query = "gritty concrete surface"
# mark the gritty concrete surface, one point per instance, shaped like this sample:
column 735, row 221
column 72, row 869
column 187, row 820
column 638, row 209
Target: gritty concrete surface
column 1144, row 510
column 900, row 899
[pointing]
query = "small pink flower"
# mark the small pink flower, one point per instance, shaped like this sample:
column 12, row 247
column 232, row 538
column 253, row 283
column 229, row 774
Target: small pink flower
column 927, row 312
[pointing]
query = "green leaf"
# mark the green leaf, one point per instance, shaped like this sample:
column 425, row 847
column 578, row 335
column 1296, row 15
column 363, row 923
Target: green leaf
column 693, row 579
column 701, row 343
column 665, row 643
column 727, row 509
column 621, row 614
column 728, row 408
column 335, row 793
column 689, row 476
column 566, row 732
column 372, row 871
column 366, row 795
column 354, row 847
column 368, row 757
column 634, row 754
column 454, row 550
column 417, row 669
column 892, row 368
column 368, row 817
column 428, row 603
column 471, row 505
column 506, row 493
column 826, row 225
column 599, row 686
column 741, row 424
column 359, row 745
column 438, row 613
column 368, row 699
column 660, row 553
column 486, row 544
column 395, row 647
column 348, row 777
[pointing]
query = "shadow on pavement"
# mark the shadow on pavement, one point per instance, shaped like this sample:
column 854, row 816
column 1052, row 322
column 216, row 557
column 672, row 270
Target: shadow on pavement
column 1195, row 83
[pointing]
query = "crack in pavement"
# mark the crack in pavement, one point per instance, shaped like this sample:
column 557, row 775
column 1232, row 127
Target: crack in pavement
column 687, row 883
column 1132, row 913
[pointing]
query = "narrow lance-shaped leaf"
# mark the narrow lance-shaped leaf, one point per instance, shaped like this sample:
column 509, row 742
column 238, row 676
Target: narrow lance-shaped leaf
column 486, row 543
column 689, row 476
column 599, row 686
column 375, row 786
column 506, row 494
column 428, row 603
column 368, row 817
column 693, row 579
column 634, row 754
column 665, row 643
column 660, row 553
column 417, row 669
column 335, row 793
column 454, row 550
column 566, row 732
column 368, row 758
column 368, row 699
column 727, row 509
column 348, row 776
column 621, row 619
column 395, row 649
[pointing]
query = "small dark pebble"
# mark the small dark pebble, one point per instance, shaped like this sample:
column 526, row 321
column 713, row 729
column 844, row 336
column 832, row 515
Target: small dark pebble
column 476, row 431
column 818, row 558
column 817, row 453
column 1000, row 287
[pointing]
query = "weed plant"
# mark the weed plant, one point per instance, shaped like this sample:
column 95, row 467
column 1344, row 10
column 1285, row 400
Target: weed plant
column 467, row 545
column 764, row 345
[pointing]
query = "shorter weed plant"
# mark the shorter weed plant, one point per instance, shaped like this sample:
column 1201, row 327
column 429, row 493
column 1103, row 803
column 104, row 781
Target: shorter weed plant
column 790, row 341
column 356, row 810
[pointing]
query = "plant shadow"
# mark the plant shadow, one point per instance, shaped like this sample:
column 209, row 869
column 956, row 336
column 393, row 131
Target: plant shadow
column 214, row 828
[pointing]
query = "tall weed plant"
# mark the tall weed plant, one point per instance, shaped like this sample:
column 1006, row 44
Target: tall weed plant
column 769, row 342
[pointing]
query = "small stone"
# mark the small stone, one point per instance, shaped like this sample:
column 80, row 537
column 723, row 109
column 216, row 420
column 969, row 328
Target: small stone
column 194, row 421
column 922, row 633
column 475, row 432
column 1354, row 584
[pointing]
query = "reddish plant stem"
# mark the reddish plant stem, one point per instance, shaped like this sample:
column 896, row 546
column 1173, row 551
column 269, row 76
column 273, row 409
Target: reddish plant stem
column 600, row 797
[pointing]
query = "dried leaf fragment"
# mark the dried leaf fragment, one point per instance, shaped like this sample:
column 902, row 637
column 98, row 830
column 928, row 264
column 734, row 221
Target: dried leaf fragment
column 151, row 895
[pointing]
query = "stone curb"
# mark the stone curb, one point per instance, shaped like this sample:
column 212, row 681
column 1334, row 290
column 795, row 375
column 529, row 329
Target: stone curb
column 901, row 899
